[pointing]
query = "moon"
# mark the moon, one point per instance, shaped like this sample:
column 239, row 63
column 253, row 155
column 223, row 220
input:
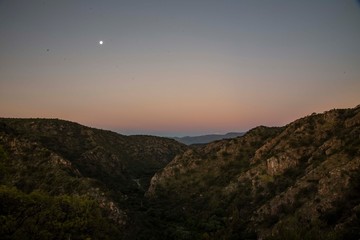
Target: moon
column 101, row 42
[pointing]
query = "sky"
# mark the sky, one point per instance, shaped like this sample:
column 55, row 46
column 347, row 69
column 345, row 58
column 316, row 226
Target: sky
column 176, row 68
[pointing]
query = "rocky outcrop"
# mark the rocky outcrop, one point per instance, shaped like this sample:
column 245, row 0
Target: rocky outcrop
column 277, row 165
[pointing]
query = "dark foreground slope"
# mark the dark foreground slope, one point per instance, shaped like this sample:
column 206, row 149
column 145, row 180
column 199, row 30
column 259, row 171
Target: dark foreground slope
column 301, row 181
column 60, row 179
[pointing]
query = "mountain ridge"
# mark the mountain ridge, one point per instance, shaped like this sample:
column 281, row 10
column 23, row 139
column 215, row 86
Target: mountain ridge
column 299, row 181
column 62, row 158
column 279, row 184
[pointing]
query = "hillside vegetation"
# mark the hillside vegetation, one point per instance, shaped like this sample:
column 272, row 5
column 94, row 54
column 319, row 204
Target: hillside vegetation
column 300, row 181
column 47, row 161
column 61, row 180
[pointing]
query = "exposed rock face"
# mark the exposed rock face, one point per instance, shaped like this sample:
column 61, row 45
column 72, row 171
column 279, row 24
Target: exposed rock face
column 277, row 165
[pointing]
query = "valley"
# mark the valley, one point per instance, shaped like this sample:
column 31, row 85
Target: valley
column 60, row 179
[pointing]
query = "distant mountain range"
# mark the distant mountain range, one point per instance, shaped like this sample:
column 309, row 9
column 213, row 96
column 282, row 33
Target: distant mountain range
column 203, row 139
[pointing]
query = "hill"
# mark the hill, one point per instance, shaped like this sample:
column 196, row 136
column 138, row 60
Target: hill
column 203, row 139
column 300, row 181
column 55, row 159
column 61, row 180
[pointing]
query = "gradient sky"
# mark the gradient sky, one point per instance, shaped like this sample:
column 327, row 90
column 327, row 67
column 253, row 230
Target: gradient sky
column 178, row 67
